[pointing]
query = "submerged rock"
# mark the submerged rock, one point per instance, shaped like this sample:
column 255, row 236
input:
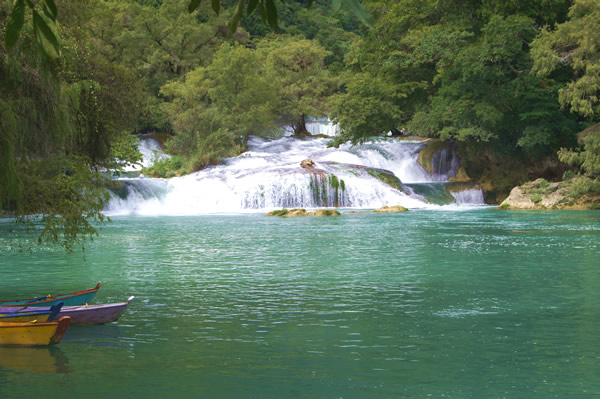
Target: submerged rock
column 384, row 209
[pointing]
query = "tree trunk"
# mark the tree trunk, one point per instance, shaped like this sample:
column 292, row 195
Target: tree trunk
column 299, row 127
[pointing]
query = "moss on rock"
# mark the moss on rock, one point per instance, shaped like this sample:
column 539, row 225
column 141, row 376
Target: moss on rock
column 577, row 193
column 391, row 209
column 325, row 212
column 386, row 177
column 427, row 153
column 461, row 176
column 302, row 212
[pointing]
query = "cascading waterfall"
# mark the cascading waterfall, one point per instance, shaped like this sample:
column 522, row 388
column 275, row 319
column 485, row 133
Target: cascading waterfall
column 445, row 164
column 470, row 196
column 269, row 176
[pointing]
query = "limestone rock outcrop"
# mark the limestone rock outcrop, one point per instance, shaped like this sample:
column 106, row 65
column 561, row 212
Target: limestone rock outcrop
column 541, row 194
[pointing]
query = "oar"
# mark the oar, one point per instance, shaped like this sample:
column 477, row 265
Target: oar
column 54, row 310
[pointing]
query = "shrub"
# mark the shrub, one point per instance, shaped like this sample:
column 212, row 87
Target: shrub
column 584, row 185
column 166, row 167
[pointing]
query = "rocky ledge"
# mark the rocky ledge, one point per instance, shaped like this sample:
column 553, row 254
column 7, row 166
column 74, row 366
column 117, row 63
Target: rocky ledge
column 576, row 193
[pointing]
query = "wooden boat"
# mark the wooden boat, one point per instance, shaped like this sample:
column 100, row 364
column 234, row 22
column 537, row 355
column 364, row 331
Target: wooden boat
column 33, row 333
column 96, row 314
column 72, row 299
column 35, row 314
column 86, row 314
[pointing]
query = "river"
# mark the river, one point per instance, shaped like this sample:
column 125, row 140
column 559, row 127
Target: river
column 428, row 303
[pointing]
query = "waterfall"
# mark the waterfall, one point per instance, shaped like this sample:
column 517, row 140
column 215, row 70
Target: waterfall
column 445, row 163
column 269, row 176
column 151, row 151
column 321, row 127
column 469, row 197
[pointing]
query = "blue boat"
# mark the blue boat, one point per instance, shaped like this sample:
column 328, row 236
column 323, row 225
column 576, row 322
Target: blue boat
column 73, row 299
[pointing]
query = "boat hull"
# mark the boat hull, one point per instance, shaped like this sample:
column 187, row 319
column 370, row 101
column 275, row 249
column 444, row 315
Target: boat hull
column 17, row 315
column 96, row 314
column 73, row 299
column 87, row 314
column 33, row 334
column 24, row 317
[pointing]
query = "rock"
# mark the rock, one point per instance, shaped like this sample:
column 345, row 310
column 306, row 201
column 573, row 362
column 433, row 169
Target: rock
column 307, row 164
column 325, row 212
column 302, row 212
column 517, row 200
column 461, row 176
column 386, row 177
column 540, row 194
column 391, row 209
column 288, row 213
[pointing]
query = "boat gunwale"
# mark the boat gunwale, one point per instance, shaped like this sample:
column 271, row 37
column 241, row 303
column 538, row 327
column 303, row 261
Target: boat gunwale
column 38, row 300
column 11, row 324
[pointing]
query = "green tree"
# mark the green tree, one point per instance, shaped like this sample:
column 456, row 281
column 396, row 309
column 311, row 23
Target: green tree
column 47, row 36
column 62, row 123
column 368, row 105
column 575, row 44
column 217, row 107
column 297, row 68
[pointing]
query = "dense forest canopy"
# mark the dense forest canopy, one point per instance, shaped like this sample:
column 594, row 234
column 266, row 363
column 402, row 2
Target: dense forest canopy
column 514, row 84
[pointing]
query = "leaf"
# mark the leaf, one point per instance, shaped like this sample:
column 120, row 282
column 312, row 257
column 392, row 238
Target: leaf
column 237, row 15
column 193, row 5
column 251, row 6
column 271, row 13
column 15, row 23
column 360, row 12
column 216, row 6
column 309, row 3
column 336, row 5
column 46, row 36
column 262, row 12
column 50, row 9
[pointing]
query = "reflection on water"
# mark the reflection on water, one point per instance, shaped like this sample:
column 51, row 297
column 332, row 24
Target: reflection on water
column 46, row 360
column 101, row 335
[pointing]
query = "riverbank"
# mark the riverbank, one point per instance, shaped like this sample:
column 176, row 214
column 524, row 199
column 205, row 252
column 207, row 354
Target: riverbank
column 576, row 193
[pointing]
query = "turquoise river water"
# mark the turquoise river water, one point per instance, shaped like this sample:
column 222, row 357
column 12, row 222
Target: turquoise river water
column 461, row 304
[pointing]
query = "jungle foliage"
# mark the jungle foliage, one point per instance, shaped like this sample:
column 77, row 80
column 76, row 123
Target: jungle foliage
column 514, row 84
column 511, row 82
